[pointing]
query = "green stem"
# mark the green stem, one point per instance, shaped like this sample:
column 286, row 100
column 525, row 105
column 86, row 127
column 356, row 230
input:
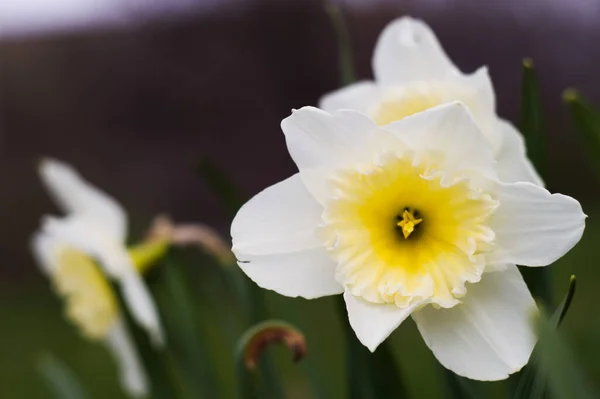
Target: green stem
column 346, row 62
column 370, row 375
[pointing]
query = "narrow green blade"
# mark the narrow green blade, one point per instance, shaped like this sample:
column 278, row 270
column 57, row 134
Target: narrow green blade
column 458, row 387
column 532, row 119
column 61, row 381
column 541, row 371
column 370, row 375
column 564, row 376
column 587, row 121
column 222, row 186
column 347, row 71
column 250, row 297
column 187, row 344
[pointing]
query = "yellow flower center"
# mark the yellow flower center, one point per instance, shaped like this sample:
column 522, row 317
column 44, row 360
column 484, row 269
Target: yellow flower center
column 400, row 232
column 406, row 103
column 408, row 222
column 90, row 301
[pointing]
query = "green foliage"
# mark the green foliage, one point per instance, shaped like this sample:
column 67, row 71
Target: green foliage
column 557, row 363
column 186, row 341
column 346, row 63
column 250, row 297
column 553, row 364
column 61, row 381
column 222, row 186
column 532, row 119
column 370, row 375
column 587, row 121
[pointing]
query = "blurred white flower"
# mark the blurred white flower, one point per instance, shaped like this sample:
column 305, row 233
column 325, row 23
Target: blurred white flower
column 412, row 74
column 399, row 218
column 96, row 225
column 91, row 304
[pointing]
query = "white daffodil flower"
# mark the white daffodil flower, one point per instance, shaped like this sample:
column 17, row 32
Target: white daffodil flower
column 91, row 305
column 399, row 219
column 97, row 225
column 412, row 73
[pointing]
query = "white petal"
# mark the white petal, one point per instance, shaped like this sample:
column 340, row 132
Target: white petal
column 513, row 165
column 408, row 50
column 532, row 226
column 360, row 96
column 316, row 138
column 80, row 232
column 490, row 334
column 308, row 273
column 476, row 91
column 448, row 129
column 75, row 195
column 281, row 218
column 320, row 142
column 132, row 374
column 43, row 248
column 141, row 305
column 374, row 322
column 115, row 261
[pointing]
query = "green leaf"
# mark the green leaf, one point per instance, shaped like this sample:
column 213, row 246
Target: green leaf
column 560, row 312
column 347, row 72
column 162, row 371
column 587, row 121
column 532, row 126
column 550, row 360
column 222, row 186
column 60, row 379
column 250, row 350
column 564, row 376
column 187, row 345
column 250, row 297
column 532, row 119
column 458, row 387
column 370, row 375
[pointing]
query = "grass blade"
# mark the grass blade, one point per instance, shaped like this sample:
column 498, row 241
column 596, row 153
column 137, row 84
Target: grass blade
column 60, row 379
column 539, row 373
column 346, row 62
column 370, row 375
column 532, row 119
column 251, row 298
column 587, row 121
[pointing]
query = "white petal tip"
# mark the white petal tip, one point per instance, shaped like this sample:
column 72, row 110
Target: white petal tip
column 372, row 347
column 48, row 165
column 410, row 31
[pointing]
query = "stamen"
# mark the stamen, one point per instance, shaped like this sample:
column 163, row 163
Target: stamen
column 408, row 223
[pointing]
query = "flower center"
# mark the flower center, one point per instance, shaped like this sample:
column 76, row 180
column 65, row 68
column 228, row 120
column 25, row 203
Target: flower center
column 408, row 222
column 90, row 301
column 427, row 250
column 397, row 106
